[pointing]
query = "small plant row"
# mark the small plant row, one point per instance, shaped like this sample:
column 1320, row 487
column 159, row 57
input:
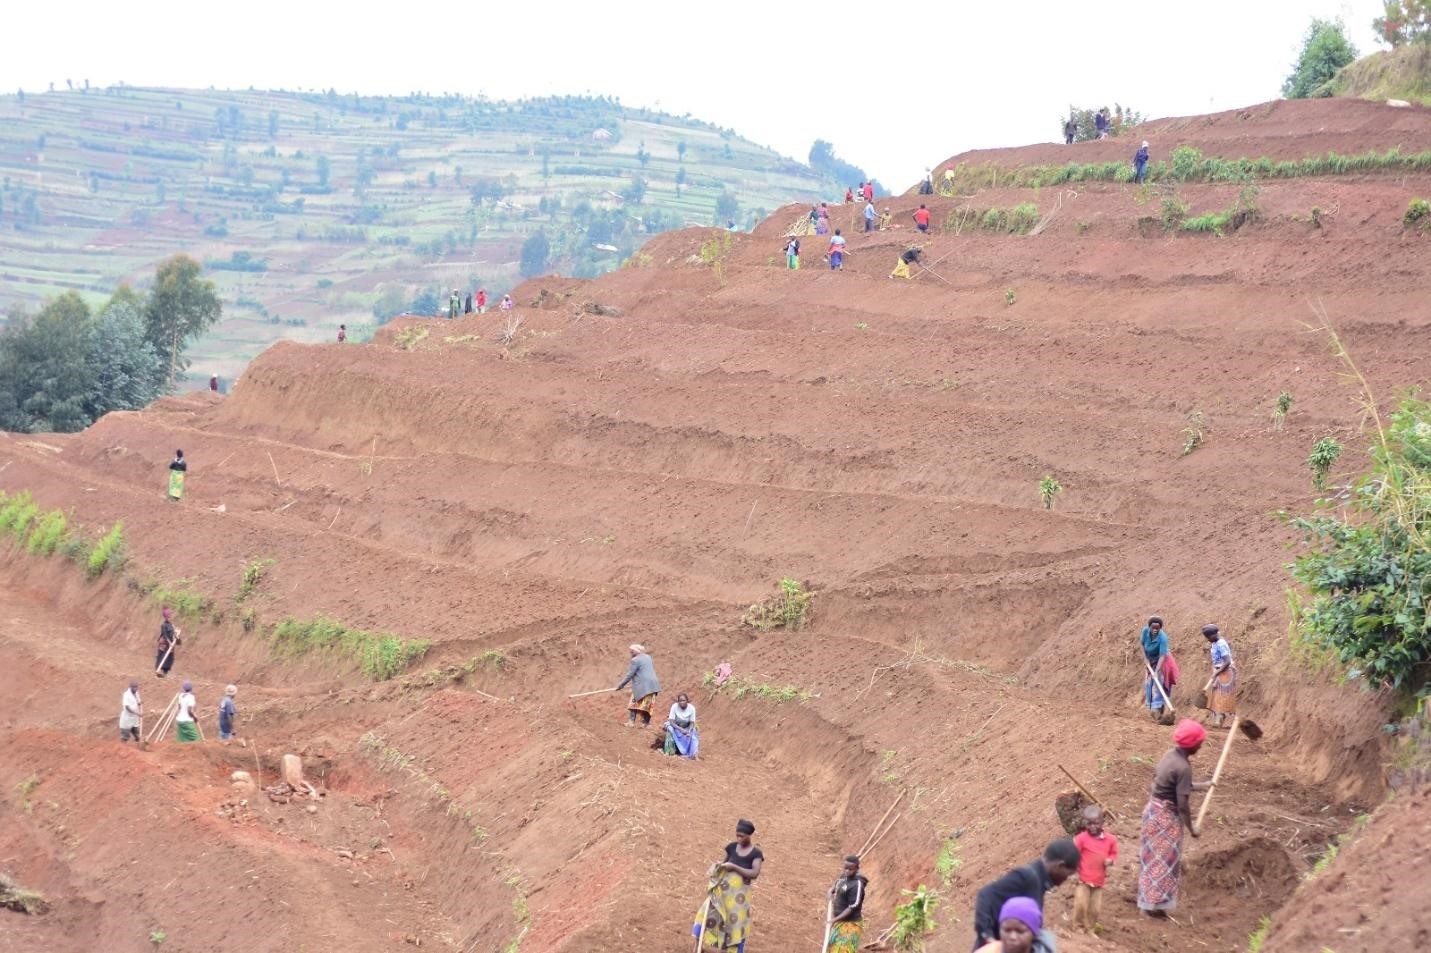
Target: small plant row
column 1017, row 220
column 1185, row 164
column 740, row 688
column 379, row 654
column 48, row 532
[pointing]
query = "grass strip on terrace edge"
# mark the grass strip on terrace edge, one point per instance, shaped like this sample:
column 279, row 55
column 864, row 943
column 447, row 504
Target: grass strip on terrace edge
column 379, row 655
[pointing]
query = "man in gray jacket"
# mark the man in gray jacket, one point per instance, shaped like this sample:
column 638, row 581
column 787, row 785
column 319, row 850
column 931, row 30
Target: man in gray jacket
column 641, row 676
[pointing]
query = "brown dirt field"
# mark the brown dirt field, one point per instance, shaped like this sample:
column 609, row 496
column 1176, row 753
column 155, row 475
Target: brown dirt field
column 534, row 507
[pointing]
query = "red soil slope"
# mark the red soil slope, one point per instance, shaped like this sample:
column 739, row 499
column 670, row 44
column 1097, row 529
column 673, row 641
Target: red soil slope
column 645, row 469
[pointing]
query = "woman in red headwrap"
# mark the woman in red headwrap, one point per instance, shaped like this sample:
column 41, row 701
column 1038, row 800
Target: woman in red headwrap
column 1167, row 814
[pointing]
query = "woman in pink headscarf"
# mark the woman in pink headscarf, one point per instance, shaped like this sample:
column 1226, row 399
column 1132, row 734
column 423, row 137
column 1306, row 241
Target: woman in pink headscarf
column 1165, row 818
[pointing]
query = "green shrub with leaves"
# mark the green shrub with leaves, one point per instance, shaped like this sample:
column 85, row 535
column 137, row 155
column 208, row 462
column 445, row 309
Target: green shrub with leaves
column 16, row 515
column 1418, row 211
column 1174, row 211
column 914, row 920
column 108, row 555
column 1048, row 488
column 253, row 573
column 1367, row 568
column 1279, row 412
column 1325, row 49
column 1320, row 461
column 49, row 534
column 1022, row 218
column 788, row 609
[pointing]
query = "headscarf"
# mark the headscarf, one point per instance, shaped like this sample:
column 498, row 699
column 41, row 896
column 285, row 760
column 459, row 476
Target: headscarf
column 743, row 826
column 1023, row 909
column 230, row 689
column 187, row 686
column 1189, row 734
column 637, row 647
column 168, row 613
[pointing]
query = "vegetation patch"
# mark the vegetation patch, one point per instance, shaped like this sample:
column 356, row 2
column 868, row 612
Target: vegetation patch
column 410, row 337
column 17, row 898
column 16, row 515
column 789, row 608
column 1418, row 214
column 742, row 687
column 253, row 574
column 379, row 655
column 108, row 555
column 914, row 920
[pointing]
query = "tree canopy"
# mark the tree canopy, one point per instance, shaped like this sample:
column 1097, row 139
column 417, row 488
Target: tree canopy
column 1325, row 49
column 1404, row 21
column 181, row 306
column 535, row 251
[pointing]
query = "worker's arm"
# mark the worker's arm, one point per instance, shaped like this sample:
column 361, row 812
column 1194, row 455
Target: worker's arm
column 991, row 897
column 749, row 873
column 630, row 674
column 846, row 913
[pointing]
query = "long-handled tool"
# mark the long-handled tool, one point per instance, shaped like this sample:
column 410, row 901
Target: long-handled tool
column 1216, row 774
column 1087, row 793
column 1158, row 683
column 829, row 925
column 159, row 669
column 166, row 717
column 700, row 930
column 599, row 691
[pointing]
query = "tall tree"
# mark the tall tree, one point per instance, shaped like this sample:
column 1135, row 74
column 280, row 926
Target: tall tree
column 1325, row 49
column 46, row 367
column 534, row 255
column 181, row 306
column 1403, row 20
column 127, row 371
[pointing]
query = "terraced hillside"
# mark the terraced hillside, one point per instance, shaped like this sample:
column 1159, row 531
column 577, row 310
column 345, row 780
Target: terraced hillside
column 644, row 455
column 318, row 209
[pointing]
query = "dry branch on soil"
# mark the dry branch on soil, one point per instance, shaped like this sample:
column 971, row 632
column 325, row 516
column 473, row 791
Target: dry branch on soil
column 17, row 898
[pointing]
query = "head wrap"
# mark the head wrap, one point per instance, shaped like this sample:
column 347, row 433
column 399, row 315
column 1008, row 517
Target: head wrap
column 1023, row 909
column 230, row 689
column 1210, row 630
column 1145, row 143
column 188, row 686
column 637, row 647
column 743, row 826
column 1189, row 734
column 168, row 613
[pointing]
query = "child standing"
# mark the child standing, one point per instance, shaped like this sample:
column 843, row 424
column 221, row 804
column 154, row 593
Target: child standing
column 1099, row 851
column 227, row 712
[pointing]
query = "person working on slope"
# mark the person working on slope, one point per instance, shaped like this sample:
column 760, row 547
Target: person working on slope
column 186, row 726
column 724, row 920
column 645, row 686
column 837, row 251
column 481, row 301
column 869, row 191
column 849, row 195
column 131, row 712
column 910, row 257
column 682, row 736
column 847, row 900
column 1070, row 130
column 454, row 304
column 1140, row 164
column 921, row 218
column 165, row 645
column 342, row 333
column 1167, row 814
column 1059, row 862
column 869, row 216
column 792, row 254
column 227, row 713
column 177, row 469
column 1221, row 688
column 1156, row 650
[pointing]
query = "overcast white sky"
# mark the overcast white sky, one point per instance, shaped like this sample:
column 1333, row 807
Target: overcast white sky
column 896, row 87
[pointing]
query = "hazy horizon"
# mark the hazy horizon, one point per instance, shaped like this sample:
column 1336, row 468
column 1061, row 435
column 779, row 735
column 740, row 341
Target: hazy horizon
column 838, row 75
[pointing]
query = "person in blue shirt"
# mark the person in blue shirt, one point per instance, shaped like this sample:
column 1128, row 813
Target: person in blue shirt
column 227, row 713
column 1140, row 164
column 1222, row 686
column 1156, row 651
column 869, row 217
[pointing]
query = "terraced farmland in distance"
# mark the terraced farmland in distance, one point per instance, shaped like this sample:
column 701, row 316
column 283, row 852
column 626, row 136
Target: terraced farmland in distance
column 314, row 209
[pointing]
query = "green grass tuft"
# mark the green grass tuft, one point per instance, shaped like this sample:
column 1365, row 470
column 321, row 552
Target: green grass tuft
column 108, row 555
column 48, row 535
column 379, row 655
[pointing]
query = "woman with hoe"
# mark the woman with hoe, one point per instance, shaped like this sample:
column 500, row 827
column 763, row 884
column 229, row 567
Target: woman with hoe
column 1165, row 817
column 641, row 676
column 724, row 919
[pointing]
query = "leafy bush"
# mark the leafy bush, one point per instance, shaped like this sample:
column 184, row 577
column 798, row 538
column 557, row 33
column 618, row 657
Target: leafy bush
column 1324, row 454
column 1048, row 488
column 1174, row 211
column 380, row 655
column 108, row 555
column 1022, row 218
column 1284, row 406
column 914, row 919
column 49, row 534
column 1325, row 49
column 1368, row 568
column 1417, row 210
column 186, row 603
column 788, row 609
column 17, row 513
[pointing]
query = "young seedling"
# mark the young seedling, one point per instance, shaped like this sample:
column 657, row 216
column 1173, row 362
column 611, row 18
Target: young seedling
column 1320, row 461
column 1009, row 296
column 1193, row 432
column 1279, row 413
column 1048, row 488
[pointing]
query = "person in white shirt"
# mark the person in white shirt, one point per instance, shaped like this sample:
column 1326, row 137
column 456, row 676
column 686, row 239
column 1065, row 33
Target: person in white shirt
column 682, row 738
column 184, row 722
column 131, row 713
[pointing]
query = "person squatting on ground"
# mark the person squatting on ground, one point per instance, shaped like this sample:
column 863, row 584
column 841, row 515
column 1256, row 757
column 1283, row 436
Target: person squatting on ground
column 921, row 218
column 185, row 725
column 910, row 257
column 792, row 254
column 227, row 713
column 1140, row 164
column 724, row 921
column 847, row 900
column 177, row 469
column 131, row 712
column 641, row 676
column 1060, row 861
column 682, row 736
column 1165, row 817
column 837, row 251
column 1221, row 688
column 886, row 219
column 1098, row 850
column 166, row 643
column 1158, row 653
column 1020, row 929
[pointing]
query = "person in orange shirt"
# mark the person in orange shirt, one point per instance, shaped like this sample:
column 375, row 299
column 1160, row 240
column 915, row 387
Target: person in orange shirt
column 1099, row 851
column 921, row 218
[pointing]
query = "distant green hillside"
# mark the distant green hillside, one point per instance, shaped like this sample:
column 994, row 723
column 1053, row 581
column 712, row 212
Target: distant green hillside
column 311, row 209
column 1400, row 73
